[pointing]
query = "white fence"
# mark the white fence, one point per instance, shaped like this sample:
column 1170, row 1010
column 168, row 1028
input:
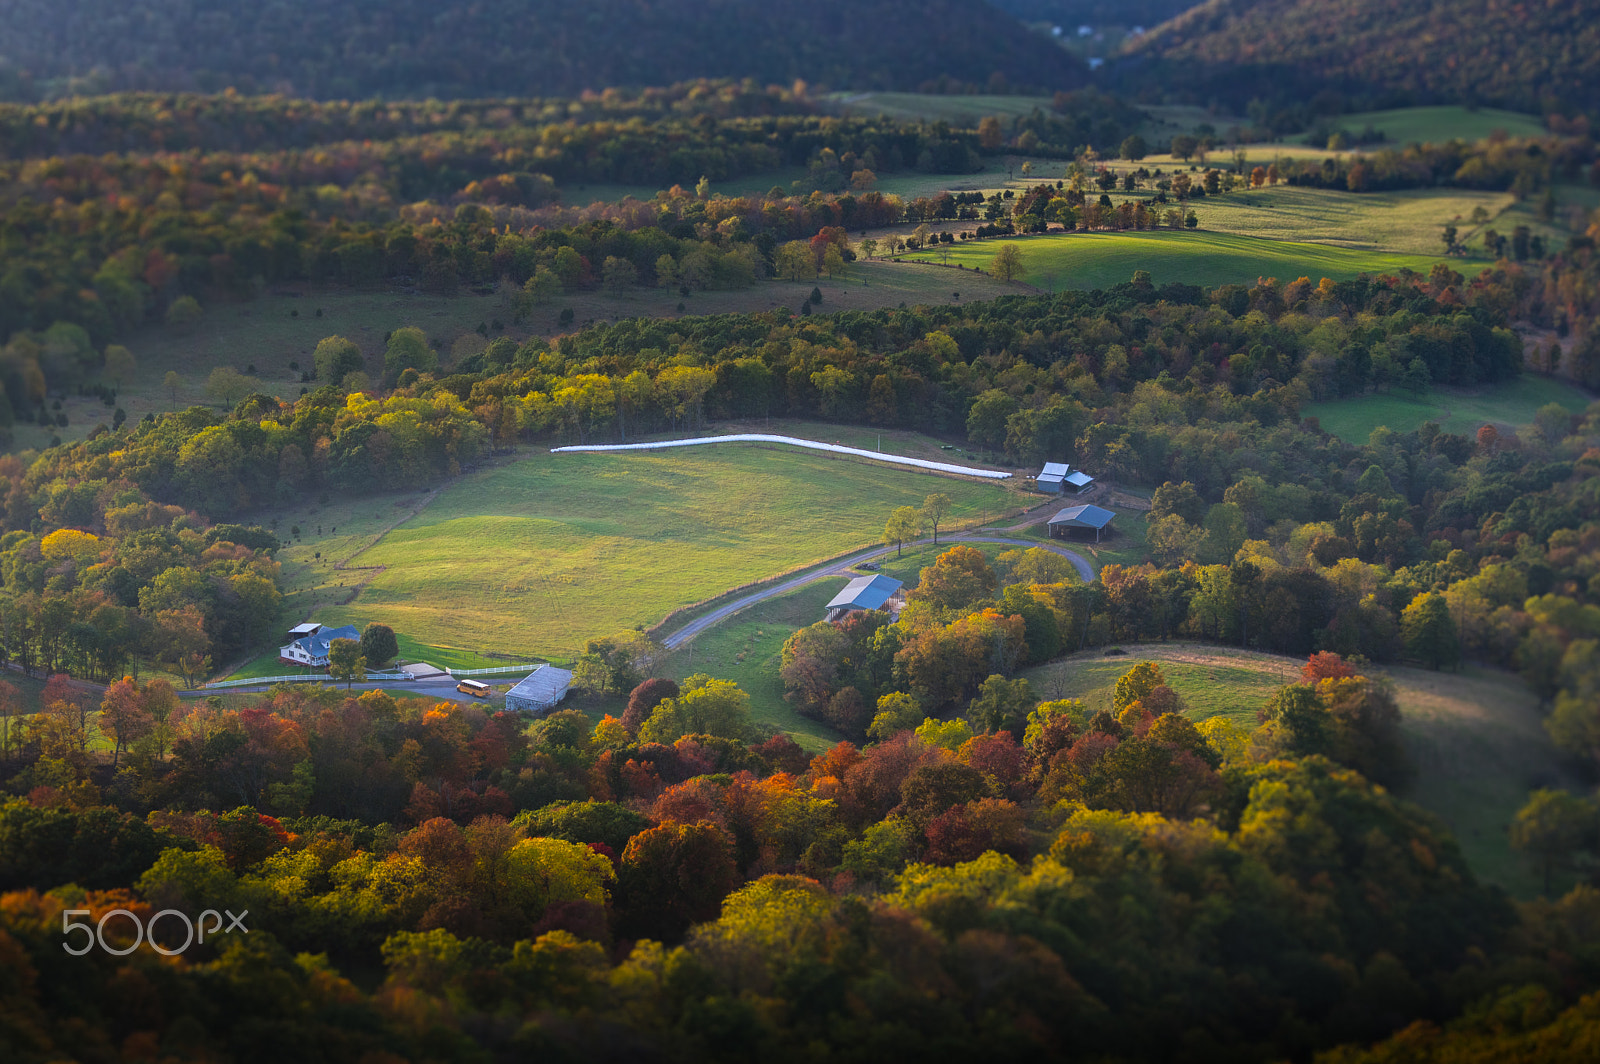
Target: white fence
column 302, row 677
column 322, row 677
column 812, row 445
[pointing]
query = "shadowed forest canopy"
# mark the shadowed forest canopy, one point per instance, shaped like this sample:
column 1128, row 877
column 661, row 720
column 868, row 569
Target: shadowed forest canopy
column 410, row 49
column 1522, row 56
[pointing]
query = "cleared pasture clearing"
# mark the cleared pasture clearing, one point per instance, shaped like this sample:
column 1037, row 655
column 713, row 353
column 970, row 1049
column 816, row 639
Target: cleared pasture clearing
column 1455, row 410
column 962, row 111
column 1409, row 222
column 1432, row 125
column 536, row 556
column 1099, row 260
column 1476, row 738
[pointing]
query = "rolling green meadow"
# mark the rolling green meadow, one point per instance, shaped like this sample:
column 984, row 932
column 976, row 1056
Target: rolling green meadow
column 1476, row 738
column 1409, row 125
column 1409, row 221
column 1098, row 260
column 961, row 110
column 1455, row 410
column 533, row 556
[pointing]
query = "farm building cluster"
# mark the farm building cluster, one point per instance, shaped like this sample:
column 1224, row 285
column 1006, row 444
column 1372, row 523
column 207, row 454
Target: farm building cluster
column 1060, row 479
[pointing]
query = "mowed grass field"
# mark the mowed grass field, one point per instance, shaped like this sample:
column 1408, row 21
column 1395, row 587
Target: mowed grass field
column 1098, row 260
column 1456, row 410
column 1409, row 222
column 1431, row 125
column 535, row 556
column 961, row 111
column 1476, row 738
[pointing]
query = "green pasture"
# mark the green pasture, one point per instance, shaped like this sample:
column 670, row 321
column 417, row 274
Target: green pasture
column 1410, row 221
column 1476, row 738
column 1212, row 681
column 1434, row 125
column 961, row 111
column 534, row 556
column 1456, row 410
column 747, row 648
column 1099, row 260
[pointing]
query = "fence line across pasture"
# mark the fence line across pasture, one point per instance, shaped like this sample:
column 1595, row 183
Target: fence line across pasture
column 302, row 677
column 794, row 441
column 255, row 681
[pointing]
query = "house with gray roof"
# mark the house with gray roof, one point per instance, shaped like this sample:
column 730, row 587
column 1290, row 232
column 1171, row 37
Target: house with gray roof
column 309, row 643
column 864, row 593
column 540, row 690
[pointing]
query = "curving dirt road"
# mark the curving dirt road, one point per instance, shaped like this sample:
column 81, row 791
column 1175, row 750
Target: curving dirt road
column 842, row 567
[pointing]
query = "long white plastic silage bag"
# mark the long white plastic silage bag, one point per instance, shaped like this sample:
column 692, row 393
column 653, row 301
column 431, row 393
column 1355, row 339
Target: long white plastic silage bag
column 812, row 445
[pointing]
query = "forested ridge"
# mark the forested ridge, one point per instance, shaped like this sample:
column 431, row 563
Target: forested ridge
column 119, row 208
column 1371, row 53
column 977, row 869
column 413, row 50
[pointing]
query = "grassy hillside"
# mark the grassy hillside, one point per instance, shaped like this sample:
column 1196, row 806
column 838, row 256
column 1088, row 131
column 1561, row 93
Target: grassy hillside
column 1096, row 260
column 1434, row 51
column 1430, row 125
column 1477, row 738
column 965, row 111
column 1455, row 410
column 536, row 555
column 410, row 49
column 1409, row 222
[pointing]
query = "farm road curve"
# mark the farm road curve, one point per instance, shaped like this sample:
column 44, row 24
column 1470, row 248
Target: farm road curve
column 843, row 566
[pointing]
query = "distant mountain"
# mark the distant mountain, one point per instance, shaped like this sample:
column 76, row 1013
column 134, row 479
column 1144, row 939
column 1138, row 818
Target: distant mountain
column 1070, row 14
column 1512, row 53
column 478, row 48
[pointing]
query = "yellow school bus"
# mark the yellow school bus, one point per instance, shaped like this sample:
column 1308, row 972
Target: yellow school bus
column 474, row 688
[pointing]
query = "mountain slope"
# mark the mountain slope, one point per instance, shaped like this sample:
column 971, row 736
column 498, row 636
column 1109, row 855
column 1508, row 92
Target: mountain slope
column 1513, row 53
column 475, row 48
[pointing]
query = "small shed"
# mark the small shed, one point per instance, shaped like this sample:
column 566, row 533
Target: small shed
column 1051, row 478
column 1081, row 519
column 863, row 593
column 540, row 690
column 1078, row 482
